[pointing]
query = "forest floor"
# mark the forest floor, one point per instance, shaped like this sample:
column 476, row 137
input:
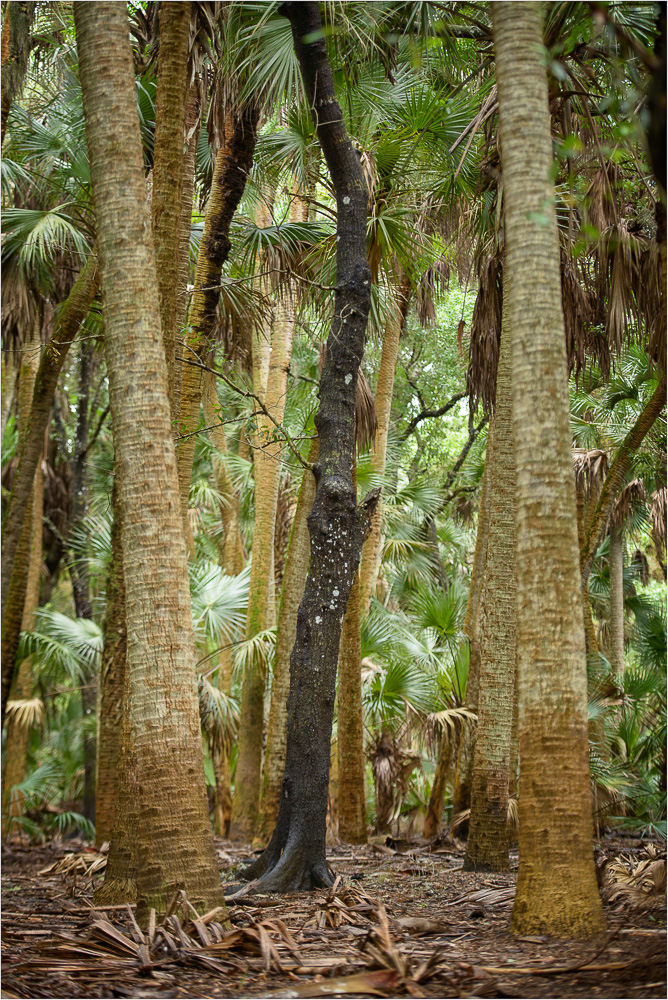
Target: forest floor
column 403, row 919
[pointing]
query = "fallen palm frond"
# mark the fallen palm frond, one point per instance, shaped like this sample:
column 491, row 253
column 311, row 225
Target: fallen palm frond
column 637, row 884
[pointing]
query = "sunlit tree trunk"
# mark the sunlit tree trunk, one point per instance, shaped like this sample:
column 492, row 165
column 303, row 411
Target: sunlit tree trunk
column 560, row 897
column 487, row 844
column 384, row 392
column 164, row 717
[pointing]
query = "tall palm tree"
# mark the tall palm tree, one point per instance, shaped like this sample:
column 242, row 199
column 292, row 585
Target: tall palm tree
column 164, row 720
column 559, row 898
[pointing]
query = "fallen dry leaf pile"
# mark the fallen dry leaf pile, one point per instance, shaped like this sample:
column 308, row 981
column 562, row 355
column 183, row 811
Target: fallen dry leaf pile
column 400, row 920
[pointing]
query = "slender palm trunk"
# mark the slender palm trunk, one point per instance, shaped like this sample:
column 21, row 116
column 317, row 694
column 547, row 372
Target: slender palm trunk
column 461, row 798
column 17, row 731
column 164, row 716
column 617, row 600
column 384, row 392
column 16, row 541
column 351, row 806
column 559, row 898
column 487, row 844
column 267, row 468
column 617, row 473
column 9, row 379
column 233, row 162
column 112, row 684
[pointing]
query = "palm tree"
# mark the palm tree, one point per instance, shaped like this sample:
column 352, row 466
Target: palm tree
column 560, row 898
column 160, row 667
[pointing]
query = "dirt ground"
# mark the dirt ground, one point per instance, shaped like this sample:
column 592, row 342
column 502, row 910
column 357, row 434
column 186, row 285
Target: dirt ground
column 402, row 920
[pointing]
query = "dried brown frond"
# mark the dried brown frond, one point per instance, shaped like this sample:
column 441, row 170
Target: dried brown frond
column 631, row 496
column 435, row 280
column 26, row 712
column 601, row 203
column 584, row 343
column 641, row 566
column 591, row 468
column 639, row 884
column 485, row 334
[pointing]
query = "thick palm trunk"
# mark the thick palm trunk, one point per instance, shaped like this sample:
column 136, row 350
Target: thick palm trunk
column 17, row 731
column 487, row 844
column 168, row 170
column 15, row 562
column 267, row 469
column 164, row 717
column 295, row 857
column 351, row 804
column 294, row 580
column 561, row 897
column 617, row 600
column 16, row 44
column 384, row 391
column 233, row 163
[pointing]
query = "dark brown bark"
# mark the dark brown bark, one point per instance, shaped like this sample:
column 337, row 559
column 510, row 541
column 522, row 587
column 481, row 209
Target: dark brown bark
column 15, row 52
column 295, row 857
column 14, row 565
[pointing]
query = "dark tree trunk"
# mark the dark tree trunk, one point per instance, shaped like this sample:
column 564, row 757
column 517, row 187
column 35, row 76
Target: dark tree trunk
column 79, row 565
column 295, row 857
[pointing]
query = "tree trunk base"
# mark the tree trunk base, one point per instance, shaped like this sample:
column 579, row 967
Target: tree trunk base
column 114, row 891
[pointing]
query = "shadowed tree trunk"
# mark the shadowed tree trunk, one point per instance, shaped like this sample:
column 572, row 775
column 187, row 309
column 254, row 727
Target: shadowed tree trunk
column 351, row 798
column 487, row 843
column 164, row 718
column 112, row 683
column 16, row 40
column 559, row 897
column 294, row 580
column 461, row 796
column 233, row 163
column 617, row 599
column 18, row 730
column 295, row 857
column 15, row 563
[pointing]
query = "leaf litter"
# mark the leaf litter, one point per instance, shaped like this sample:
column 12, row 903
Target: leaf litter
column 404, row 921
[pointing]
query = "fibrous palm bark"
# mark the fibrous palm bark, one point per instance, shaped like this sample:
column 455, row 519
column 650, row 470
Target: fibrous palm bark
column 384, row 392
column 617, row 474
column 168, row 169
column 267, row 470
column 16, row 46
column 294, row 579
column 16, row 745
column 559, row 897
column 295, row 857
column 14, row 562
column 487, row 844
column 233, row 163
column 616, row 562
column 164, row 718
